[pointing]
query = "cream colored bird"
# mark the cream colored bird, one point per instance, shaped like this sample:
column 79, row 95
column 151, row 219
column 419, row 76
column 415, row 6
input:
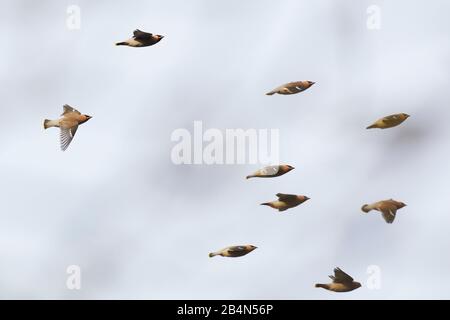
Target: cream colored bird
column 141, row 39
column 271, row 171
column 342, row 282
column 286, row 201
column 291, row 88
column 233, row 251
column 389, row 121
column 68, row 123
column 388, row 208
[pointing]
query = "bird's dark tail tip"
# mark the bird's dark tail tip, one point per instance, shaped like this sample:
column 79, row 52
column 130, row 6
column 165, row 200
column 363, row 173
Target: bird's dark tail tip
column 121, row 44
column 320, row 285
column 212, row 254
column 46, row 121
column 265, row 204
column 371, row 126
column 364, row 208
column 271, row 93
column 248, row 177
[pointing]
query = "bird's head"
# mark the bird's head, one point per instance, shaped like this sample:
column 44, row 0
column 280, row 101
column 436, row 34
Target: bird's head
column 303, row 198
column 84, row 118
column 288, row 167
column 159, row 36
column 405, row 115
column 251, row 248
column 310, row 83
column 401, row 205
column 356, row 284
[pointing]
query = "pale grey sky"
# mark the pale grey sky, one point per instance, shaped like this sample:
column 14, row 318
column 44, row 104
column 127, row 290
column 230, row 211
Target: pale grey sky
column 141, row 227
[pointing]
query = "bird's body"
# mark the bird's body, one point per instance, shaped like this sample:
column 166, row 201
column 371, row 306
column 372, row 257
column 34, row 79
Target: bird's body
column 141, row 39
column 291, row 88
column 389, row 121
column 271, row 171
column 286, row 201
column 388, row 208
column 342, row 282
column 233, row 251
column 68, row 123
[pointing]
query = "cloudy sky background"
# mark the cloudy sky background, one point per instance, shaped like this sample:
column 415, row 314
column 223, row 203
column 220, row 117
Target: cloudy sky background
column 141, row 227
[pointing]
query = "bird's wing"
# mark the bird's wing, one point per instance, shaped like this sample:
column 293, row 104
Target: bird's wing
column 68, row 109
column 388, row 212
column 138, row 34
column 340, row 276
column 66, row 136
column 236, row 249
column 392, row 119
column 296, row 84
column 286, row 197
column 269, row 171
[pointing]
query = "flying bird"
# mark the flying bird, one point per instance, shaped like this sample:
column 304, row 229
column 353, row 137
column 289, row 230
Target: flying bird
column 271, row 171
column 233, row 251
column 389, row 121
column 342, row 282
column 388, row 208
column 286, row 201
column 141, row 39
column 291, row 87
column 68, row 123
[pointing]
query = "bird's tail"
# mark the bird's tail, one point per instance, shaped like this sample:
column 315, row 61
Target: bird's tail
column 47, row 123
column 249, row 176
column 321, row 285
column 270, row 93
column 213, row 254
column 121, row 43
column 371, row 126
column 266, row 204
column 365, row 208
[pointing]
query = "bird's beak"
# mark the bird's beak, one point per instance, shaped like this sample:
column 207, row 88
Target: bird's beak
column 312, row 82
column 307, row 198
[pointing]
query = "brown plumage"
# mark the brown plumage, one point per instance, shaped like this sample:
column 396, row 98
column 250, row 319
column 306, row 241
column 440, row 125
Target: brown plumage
column 291, row 88
column 342, row 282
column 286, row 201
column 271, row 171
column 389, row 121
column 68, row 123
column 141, row 39
column 233, row 251
column 388, row 208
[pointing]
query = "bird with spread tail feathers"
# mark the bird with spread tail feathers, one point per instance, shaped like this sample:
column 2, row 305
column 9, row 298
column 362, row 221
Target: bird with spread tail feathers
column 388, row 208
column 68, row 124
